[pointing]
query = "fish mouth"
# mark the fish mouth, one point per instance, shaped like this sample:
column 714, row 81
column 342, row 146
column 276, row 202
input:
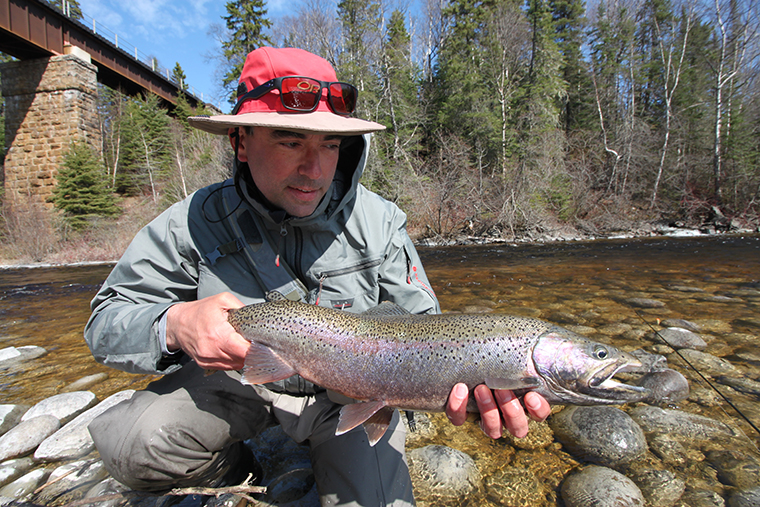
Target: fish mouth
column 603, row 384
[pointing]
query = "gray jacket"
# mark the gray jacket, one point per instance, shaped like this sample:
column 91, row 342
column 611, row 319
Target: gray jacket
column 353, row 252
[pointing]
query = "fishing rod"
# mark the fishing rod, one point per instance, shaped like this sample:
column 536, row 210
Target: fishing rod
column 708, row 382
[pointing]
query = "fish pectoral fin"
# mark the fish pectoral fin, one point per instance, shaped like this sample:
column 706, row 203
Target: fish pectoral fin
column 355, row 414
column 262, row 365
column 513, row 383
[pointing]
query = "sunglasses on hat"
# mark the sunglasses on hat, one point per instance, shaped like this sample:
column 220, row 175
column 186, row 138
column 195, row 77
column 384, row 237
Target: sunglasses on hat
column 298, row 93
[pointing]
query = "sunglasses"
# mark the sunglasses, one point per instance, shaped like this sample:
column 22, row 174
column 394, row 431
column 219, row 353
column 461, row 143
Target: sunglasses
column 299, row 93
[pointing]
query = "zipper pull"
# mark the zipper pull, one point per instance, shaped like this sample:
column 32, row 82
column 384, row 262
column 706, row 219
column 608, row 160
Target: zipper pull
column 283, row 233
column 319, row 294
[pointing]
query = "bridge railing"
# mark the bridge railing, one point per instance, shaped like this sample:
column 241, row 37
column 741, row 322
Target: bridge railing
column 120, row 43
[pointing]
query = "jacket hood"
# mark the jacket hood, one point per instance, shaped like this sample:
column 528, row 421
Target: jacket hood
column 351, row 163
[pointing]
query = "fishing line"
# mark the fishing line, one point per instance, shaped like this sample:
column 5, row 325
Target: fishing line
column 714, row 388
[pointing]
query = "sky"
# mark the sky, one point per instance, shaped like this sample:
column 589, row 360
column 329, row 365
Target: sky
column 171, row 31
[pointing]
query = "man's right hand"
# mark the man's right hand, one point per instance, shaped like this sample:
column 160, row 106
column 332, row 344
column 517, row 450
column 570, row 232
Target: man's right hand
column 200, row 328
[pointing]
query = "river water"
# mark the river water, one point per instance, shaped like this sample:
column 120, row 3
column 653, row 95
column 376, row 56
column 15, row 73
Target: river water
column 711, row 281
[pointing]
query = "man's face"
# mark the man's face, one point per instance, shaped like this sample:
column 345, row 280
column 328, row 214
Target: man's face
column 291, row 169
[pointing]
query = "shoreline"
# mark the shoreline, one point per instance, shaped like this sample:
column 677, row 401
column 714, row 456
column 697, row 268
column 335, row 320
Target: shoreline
column 566, row 236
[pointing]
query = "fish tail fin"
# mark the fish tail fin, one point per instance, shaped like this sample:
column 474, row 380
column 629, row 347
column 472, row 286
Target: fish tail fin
column 263, row 365
column 375, row 416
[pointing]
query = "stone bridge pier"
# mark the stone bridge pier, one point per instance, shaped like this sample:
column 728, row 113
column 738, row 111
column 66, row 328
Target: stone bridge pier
column 49, row 104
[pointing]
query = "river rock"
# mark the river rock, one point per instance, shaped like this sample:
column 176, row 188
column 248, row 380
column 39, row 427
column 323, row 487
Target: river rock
column 10, row 415
column 705, row 363
column 684, row 324
column 644, row 303
column 665, row 386
column 600, row 487
column 603, row 435
column 660, row 488
column 746, row 498
column 64, row 406
column 10, row 356
column 86, row 383
column 106, row 487
column 25, row 484
column 744, row 385
column 735, row 468
column 680, row 338
column 25, row 437
column 657, row 421
column 71, row 482
column 669, row 450
column 424, row 429
column 649, row 361
column 702, row 498
column 74, row 440
column 13, row 469
column 442, row 474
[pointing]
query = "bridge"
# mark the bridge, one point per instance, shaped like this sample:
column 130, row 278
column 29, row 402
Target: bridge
column 51, row 91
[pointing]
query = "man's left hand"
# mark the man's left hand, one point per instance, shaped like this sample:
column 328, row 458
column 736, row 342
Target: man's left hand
column 498, row 409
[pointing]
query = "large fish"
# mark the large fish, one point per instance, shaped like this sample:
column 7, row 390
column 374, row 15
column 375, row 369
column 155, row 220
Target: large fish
column 387, row 358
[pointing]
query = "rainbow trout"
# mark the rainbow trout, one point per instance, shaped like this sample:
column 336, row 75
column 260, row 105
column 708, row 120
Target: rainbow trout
column 387, row 358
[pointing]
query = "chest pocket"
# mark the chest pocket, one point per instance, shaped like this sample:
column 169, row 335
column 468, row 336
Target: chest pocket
column 355, row 286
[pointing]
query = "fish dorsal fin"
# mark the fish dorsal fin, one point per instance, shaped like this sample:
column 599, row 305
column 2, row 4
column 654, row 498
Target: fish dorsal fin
column 355, row 414
column 262, row 365
column 386, row 309
column 513, row 383
column 376, row 425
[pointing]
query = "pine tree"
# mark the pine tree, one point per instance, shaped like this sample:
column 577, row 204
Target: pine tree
column 179, row 77
column 82, row 192
column 73, row 9
column 246, row 21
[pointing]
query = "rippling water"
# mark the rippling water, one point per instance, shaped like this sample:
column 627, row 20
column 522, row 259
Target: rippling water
column 714, row 282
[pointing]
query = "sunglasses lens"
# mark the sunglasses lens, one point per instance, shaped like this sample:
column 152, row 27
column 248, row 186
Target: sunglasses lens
column 300, row 93
column 343, row 98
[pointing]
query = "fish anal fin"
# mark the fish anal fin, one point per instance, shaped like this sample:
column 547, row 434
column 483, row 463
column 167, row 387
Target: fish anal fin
column 262, row 365
column 386, row 309
column 376, row 425
column 513, row 383
column 355, row 414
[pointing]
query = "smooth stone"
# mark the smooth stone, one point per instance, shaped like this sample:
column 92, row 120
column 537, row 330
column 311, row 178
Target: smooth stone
column 440, row 473
column 735, row 468
column 86, row 383
column 680, row 338
column 658, row 421
column 684, row 324
column 665, row 386
column 13, row 469
column 669, row 450
column 644, row 303
column 64, row 406
column 74, row 440
column 603, row 435
column 25, row 437
column 706, row 363
column 10, row 356
column 10, row 416
column 71, row 482
column 649, row 361
column 744, row 385
column 25, row 484
column 107, row 488
column 600, row 487
column 702, row 498
column 746, row 498
column 660, row 487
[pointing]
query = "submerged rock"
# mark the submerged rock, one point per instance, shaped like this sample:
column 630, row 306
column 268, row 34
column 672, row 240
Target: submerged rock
column 661, row 488
column 706, row 363
column 665, row 386
column 64, row 406
column 25, row 484
column 657, row 421
column 746, row 498
column 86, row 383
column 71, row 482
column 680, row 338
column 10, row 356
column 13, row 469
column 600, row 487
column 25, row 437
column 603, row 435
column 443, row 474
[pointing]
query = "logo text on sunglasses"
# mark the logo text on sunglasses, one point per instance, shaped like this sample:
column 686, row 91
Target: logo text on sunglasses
column 308, row 86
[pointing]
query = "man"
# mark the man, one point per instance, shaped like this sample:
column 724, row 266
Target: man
column 293, row 223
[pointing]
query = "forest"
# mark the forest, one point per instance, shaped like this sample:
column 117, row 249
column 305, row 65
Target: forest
column 505, row 118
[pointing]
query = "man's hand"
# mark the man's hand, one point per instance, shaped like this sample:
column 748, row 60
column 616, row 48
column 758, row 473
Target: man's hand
column 494, row 405
column 201, row 330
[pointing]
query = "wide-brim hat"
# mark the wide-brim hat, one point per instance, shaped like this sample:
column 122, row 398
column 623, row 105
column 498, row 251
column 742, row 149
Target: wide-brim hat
column 262, row 65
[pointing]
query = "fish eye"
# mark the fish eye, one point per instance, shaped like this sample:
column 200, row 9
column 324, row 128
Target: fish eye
column 601, row 353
